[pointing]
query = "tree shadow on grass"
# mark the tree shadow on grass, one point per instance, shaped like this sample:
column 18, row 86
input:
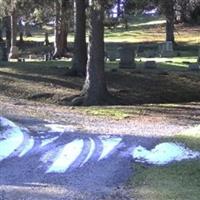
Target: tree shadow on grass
column 37, row 79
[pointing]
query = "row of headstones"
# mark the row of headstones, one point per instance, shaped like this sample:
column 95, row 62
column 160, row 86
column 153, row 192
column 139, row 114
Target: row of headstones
column 127, row 57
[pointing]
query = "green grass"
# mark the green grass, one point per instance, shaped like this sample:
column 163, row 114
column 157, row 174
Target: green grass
column 177, row 181
column 113, row 112
column 151, row 29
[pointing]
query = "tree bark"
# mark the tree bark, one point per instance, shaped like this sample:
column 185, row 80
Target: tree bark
column 7, row 26
column 1, row 36
column 61, row 28
column 80, row 47
column 94, row 89
column 169, row 11
column 170, row 26
column 1, row 30
column 13, row 49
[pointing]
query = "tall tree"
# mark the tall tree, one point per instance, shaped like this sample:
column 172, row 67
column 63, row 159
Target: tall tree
column 94, row 90
column 61, row 27
column 169, row 11
column 13, row 49
column 80, row 47
column 7, row 28
column 1, row 30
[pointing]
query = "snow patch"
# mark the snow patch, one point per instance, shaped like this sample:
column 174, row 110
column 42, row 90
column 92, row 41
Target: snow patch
column 12, row 138
column 28, row 146
column 57, row 128
column 69, row 153
column 163, row 154
column 91, row 151
column 109, row 144
column 48, row 141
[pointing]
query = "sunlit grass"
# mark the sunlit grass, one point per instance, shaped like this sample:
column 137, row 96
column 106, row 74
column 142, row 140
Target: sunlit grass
column 40, row 37
column 141, row 29
column 151, row 29
column 113, row 112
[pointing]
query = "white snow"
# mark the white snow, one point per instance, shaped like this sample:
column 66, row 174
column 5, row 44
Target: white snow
column 163, row 153
column 59, row 128
column 69, row 153
column 13, row 138
column 48, row 141
column 91, row 151
column 109, row 145
column 28, row 146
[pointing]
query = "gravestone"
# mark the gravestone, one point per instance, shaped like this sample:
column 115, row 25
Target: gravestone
column 112, row 55
column 127, row 57
column 194, row 67
column 166, row 49
column 147, row 51
column 150, row 65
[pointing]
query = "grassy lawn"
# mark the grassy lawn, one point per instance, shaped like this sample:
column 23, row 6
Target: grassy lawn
column 169, row 83
column 151, row 29
column 175, row 181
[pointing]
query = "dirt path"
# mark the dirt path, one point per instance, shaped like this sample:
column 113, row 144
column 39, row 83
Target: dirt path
column 99, row 151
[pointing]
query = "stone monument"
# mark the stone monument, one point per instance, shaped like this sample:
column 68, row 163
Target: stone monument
column 150, row 65
column 166, row 49
column 127, row 57
column 14, row 52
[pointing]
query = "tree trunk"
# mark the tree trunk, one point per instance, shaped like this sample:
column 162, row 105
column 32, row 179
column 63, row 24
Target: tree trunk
column 1, row 36
column 94, row 89
column 1, row 30
column 61, row 28
column 65, row 16
column 168, row 7
column 170, row 29
column 21, row 37
column 56, row 30
column 7, row 26
column 80, row 46
column 13, row 49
